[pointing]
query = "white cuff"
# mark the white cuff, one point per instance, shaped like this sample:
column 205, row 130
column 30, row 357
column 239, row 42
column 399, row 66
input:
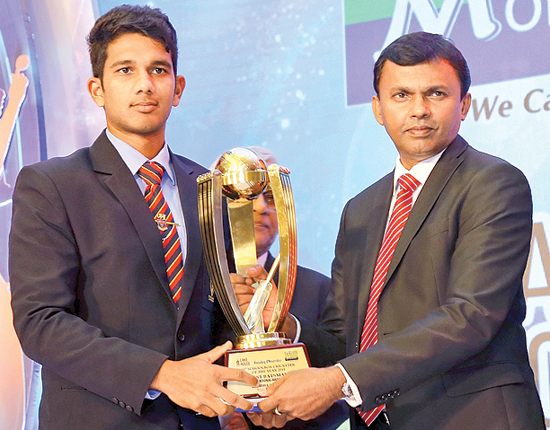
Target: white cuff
column 355, row 399
column 298, row 328
column 152, row 394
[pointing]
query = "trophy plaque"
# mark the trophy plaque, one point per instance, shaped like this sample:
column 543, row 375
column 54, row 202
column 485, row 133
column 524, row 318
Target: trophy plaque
column 239, row 177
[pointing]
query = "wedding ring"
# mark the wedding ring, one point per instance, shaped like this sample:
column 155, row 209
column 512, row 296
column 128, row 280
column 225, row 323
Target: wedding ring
column 276, row 412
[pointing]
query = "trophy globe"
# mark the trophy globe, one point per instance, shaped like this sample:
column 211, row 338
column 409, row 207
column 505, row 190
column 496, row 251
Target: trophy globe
column 244, row 174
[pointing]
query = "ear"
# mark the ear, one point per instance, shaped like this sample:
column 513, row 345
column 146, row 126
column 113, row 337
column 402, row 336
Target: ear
column 95, row 88
column 178, row 90
column 377, row 109
column 465, row 105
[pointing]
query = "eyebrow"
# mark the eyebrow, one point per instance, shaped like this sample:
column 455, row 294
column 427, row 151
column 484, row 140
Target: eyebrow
column 162, row 63
column 125, row 63
column 122, row 63
column 443, row 88
column 428, row 90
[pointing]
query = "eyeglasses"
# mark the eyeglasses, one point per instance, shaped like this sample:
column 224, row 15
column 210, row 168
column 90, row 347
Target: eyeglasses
column 268, row 196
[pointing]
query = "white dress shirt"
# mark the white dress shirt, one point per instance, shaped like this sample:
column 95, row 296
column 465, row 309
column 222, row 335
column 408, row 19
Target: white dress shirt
column 135, row 159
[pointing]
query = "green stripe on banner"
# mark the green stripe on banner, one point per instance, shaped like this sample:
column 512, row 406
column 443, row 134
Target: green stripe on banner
column 356, row 11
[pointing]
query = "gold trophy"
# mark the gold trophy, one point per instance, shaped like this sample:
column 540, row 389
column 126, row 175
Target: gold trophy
column 240, row 176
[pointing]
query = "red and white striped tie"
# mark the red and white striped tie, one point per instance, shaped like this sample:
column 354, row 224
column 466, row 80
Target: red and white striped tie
column 152, row 173
column 398, row 218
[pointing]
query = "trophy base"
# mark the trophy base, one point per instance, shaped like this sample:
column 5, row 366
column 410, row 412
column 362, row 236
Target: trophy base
column 267, row 356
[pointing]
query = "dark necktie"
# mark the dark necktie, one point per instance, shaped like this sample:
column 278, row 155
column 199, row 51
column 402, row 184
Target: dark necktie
column 152, row 173
column 398, row 218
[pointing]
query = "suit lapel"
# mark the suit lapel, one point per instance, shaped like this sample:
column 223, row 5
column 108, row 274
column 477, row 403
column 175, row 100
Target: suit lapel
column 268, row 263
column 436, row 183
column 120, row 181
column 187, row 187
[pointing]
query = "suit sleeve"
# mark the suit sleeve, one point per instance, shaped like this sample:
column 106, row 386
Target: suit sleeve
column 472, row 270
column 46, row 274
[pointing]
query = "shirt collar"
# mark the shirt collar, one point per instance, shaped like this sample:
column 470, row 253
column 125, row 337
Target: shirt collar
column 420, row 171
column 262, row 259
column 135, row 159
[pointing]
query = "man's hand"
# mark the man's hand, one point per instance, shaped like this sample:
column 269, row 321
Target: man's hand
column 196, row 383
column 303, row 394
column 244, row 291
column 269, row 419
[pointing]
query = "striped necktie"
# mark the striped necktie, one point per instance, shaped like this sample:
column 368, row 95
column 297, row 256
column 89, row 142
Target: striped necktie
column 401, row 210
column 152, row 173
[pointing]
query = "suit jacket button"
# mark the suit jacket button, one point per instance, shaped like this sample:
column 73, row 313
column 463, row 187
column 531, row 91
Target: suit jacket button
column 115, row 400
column 379, row 400
column 122, row 404
column 129, row 408
column 181, row 336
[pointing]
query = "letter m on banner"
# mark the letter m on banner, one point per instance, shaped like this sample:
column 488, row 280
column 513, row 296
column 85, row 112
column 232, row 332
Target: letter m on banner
column 371, row 25
column 484, row 25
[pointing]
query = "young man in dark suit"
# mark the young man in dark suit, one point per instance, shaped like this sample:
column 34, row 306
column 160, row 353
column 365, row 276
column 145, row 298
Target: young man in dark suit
column 110, row 290
column 428, row 302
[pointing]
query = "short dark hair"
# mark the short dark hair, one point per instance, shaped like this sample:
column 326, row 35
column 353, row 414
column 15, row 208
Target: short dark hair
column 126, row 19
column 421, row 47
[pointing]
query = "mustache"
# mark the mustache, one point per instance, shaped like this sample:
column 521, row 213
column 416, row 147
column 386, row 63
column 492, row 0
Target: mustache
column 420, row 126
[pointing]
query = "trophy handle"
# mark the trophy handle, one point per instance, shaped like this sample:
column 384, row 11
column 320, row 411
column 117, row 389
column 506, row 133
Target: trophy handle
column 279, row 179
column 212, row 232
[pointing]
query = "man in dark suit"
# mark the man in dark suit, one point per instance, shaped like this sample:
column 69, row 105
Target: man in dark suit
column 122, row 323
column 435, row 339
column 309, row 299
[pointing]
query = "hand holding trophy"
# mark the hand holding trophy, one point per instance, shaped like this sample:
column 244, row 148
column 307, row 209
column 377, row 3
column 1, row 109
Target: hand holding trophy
column 240, row 176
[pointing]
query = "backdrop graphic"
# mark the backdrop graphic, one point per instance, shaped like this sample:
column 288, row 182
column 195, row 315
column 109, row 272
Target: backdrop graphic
column 42, row 100
column 294, row 76
column 20, row 143
column 492, row 36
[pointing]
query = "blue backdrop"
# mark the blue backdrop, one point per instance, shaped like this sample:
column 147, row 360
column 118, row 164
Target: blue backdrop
column 295, row 76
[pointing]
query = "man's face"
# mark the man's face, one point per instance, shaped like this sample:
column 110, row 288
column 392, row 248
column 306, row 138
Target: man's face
column 420, row 107
column 138, row 88
column 265, row 222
